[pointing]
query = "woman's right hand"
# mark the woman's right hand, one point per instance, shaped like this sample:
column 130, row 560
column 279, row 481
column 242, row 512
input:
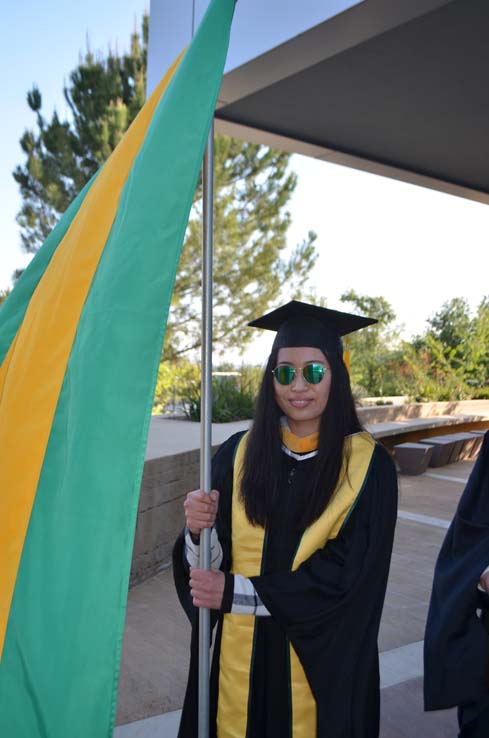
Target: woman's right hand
column 200, row 510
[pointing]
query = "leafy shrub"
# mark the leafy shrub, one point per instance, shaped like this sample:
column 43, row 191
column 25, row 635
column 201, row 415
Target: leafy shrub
column 231, row 400
column 481, row 393
column 174, row 379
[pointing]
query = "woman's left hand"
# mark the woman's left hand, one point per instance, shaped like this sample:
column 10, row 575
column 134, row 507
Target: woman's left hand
column 207, row 588
column 484, row 581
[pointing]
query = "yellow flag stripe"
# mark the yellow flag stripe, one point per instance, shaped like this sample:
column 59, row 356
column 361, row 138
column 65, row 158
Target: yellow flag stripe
column 32, row 373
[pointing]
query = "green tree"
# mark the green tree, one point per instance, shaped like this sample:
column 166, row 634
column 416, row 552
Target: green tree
column 452, row 326
column 450, row 361
column 426, row 373
column 104, row 95
column 253, row 186
column 457, row 344
column 373, row 355
column 478, row 368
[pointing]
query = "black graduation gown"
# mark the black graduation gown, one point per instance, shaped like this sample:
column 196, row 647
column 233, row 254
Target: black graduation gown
column 456, row 639
column 329, row 608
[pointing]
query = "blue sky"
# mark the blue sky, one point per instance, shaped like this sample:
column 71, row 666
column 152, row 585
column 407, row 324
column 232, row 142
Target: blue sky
column 414, row 246
column 41, row 43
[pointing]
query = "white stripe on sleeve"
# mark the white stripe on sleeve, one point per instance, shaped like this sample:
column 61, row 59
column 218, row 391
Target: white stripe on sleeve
column 192, row 550
column 245, row 598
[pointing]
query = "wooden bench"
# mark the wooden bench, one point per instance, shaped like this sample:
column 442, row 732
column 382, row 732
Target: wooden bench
column 412, row 458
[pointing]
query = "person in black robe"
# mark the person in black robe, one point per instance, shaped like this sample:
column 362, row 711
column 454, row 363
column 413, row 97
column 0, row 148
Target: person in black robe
column 312, row 670
column 456, row 648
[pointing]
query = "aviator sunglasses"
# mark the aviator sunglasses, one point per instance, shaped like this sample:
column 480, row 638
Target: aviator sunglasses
column 312, row 373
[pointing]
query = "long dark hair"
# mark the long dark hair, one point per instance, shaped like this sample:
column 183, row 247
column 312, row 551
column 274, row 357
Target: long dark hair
column 260, row 485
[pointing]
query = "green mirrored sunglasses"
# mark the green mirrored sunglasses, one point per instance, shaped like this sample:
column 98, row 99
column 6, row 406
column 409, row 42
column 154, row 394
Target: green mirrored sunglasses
column 312, row 373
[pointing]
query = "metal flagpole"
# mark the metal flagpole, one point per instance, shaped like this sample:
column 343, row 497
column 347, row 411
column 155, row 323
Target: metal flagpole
column 206, row 418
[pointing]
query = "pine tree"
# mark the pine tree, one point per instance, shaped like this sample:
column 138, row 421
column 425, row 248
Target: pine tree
column 252, row 188
column 103, row 95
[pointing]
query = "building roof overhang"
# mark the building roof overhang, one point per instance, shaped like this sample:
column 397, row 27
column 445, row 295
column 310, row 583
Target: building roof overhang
column 395, row 87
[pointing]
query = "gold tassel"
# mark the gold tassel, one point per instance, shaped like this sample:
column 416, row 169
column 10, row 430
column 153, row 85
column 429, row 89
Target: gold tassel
column 346, row 353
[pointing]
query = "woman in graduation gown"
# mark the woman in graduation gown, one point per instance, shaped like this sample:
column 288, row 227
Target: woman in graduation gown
column 302, row 511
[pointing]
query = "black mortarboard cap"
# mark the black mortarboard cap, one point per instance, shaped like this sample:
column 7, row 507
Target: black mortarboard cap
column 301, row 324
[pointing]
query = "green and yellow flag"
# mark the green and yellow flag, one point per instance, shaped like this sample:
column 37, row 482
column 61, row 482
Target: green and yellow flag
column 80, row 342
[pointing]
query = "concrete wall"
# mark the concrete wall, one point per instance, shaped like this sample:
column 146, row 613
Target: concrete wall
column 165, row 483
column 385, row 413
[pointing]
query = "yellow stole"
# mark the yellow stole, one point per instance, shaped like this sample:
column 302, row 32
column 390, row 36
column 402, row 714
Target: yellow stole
column 236, row 658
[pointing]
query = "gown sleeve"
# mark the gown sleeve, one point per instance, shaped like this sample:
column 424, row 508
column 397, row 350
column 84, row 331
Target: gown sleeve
column 330, row 607
column 456, row 644
column 222, row 480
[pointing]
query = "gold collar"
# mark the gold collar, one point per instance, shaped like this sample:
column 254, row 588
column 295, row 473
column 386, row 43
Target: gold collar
column 297, row 444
